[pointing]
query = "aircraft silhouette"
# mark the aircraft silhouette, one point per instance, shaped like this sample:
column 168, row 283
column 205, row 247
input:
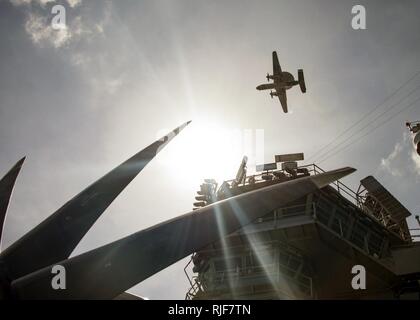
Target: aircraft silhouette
column 282, row 81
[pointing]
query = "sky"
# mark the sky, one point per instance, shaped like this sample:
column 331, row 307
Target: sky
column 80, row 100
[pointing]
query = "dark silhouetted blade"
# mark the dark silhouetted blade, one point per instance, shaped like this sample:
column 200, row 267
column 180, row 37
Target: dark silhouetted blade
column 106, row 272
column 55, row 238
column 6, row 188
column 283, row 99
column 276, row 64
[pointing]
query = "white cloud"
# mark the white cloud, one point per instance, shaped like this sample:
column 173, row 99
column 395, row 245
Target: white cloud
column 77, row 40
column 74, row 3
column 38, row 24
column 28, row 2
column 79, row 59
column 41, row 31
column 389, row 163
column 416, row 160
column 71, row 3
column 403, row 161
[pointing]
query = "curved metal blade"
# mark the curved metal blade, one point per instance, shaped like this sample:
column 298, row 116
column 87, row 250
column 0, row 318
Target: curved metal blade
column 6, row 189
column 55, row 238
column 106, row 272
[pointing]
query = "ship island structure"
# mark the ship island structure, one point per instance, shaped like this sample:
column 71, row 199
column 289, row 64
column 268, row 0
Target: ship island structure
column 309, row 249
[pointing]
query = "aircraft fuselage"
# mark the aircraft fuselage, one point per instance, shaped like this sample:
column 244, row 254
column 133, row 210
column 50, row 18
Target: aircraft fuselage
column 283, row 81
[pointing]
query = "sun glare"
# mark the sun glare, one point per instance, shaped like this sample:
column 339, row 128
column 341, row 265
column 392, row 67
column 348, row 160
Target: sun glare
column 206, row 152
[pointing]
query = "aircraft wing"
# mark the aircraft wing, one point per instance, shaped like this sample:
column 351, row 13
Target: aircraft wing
column 276, row 64
column 283, row 99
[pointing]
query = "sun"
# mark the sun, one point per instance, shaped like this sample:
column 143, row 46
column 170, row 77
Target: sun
column 204, row 151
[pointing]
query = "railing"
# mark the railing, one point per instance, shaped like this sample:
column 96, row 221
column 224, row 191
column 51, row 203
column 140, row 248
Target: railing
column 219, row 277
column 310, row 169
column 186, row 273
column 272, row 272
column 195, row 287
column 355, row 198
column 415, row 236
column 340, row 187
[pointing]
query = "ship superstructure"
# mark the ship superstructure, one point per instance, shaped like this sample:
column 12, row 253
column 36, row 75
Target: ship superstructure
column 310, row 248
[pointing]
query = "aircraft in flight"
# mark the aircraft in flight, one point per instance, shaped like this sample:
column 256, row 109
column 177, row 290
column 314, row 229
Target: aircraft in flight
column 282, row 82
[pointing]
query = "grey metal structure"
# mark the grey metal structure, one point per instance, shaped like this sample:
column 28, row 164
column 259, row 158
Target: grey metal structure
column 307, row 249
column 381, row 204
